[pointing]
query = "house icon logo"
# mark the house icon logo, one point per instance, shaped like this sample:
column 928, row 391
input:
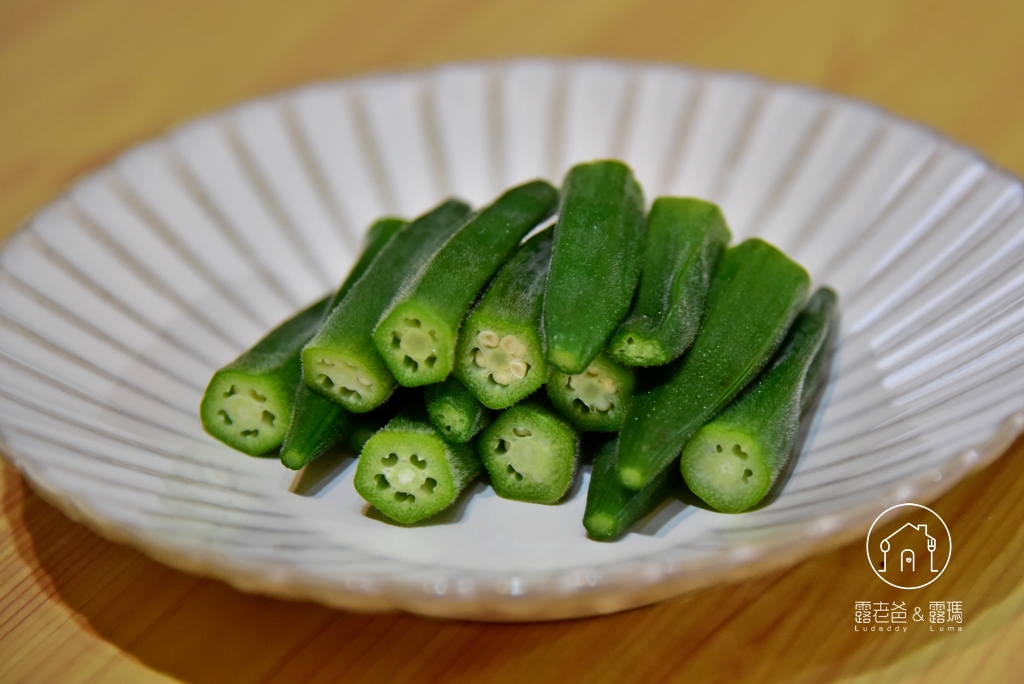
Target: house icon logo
column 909, row 553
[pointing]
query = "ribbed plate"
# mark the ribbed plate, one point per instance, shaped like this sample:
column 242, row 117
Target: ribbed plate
column 120, row 299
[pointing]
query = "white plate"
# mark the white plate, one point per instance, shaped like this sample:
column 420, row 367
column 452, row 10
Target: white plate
column 120, row 299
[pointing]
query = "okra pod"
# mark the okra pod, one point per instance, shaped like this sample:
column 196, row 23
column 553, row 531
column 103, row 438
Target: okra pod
column 417, row 335
column 341, row 362
column 454, row 411
column 316, row 422
column 685, row 240
column 594, row 400
column 409, row 472
column 500, row 355
column 595, row 263
column 755, row 295
column 612, row 508
column 734, row 460
column 248, row 403
column 530, row 453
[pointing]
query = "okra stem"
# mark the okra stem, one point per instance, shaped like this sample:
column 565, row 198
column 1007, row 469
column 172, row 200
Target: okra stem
column 733, row 461
column 756, row 294
column 409, row 472
column 685, row 240
column 500, row 355
column 455, row 412
column 594, row 400
column 612, row 508
column 341, row 362
column 595, row 264
column 416, row 336
column 530, row 453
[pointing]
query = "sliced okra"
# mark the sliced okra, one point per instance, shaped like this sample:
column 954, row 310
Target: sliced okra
column 733, row 461
column 500, row 356
column 341, row 362
column 756, row 293
column 417, row 335
column 595, row 263
column 530, row 454
column 594, row 400
column 248, row 403
column 685, row 240
column 454, row 411
column 409, row 472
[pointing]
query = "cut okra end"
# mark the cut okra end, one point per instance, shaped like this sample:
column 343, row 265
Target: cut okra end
column 726, row 469
column 417, row 346
column 405, row 475
column 595, row 399
column 245, row 413
column 530, row 455
column 601, row 526
column 498, row 363
column 633, row 349
column 355, row 383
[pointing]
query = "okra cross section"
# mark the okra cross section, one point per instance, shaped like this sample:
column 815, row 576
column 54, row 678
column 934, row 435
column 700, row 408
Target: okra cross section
column 756, row 294
column 409, row 472
column 733, row 461
column 685, row 240
column 595, row 264
column 594, row 400
column 341, row 362
column 530, row 453
column 248, row 403
column 417, row 336
column 500, row 355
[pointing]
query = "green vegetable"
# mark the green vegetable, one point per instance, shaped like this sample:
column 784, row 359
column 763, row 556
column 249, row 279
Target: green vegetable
column 500, row 356
column 611, row 508
column 685, row 240
column 595, row 263
column 340, row 362
column 530, row 453
column 756, row 293
column 248, row 403
column 416, row 337
column 316, row 422
column 455, row 412
column 409, row 472
column 733, row 461
column 594, row 400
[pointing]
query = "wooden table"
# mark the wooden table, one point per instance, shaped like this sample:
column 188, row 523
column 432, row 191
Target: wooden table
column 80, row 81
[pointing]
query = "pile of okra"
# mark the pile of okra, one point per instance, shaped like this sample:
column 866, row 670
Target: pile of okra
column 698, row 360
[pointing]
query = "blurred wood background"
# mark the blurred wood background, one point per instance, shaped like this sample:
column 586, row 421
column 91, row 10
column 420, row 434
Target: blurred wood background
column 81, row 81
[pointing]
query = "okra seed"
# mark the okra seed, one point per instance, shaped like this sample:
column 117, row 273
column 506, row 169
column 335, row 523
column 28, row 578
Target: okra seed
column 365, row 381
column 487, row 338
column 502, row 446
column 509, row 343
column 257, row 396
column 518, row 369
column 268, row 418
column 501, row 377
column 522, row 432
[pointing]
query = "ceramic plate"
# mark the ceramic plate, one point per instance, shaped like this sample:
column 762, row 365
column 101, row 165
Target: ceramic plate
column 120, row 299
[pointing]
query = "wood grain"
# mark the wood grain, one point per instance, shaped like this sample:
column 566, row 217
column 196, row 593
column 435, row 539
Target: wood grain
column 81, row 81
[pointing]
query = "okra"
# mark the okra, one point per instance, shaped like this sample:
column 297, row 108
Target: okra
column 733, row 461
column 594, row 400
column 248, row 403
column 417, row 335
column 454, row 411
column 316, row 422
column 755, row 295
column 341, row 362
column 409, row 472
column 612, row 508
column 685, row 240
column 500, row 355
column 595, row 263
column 530, row 453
